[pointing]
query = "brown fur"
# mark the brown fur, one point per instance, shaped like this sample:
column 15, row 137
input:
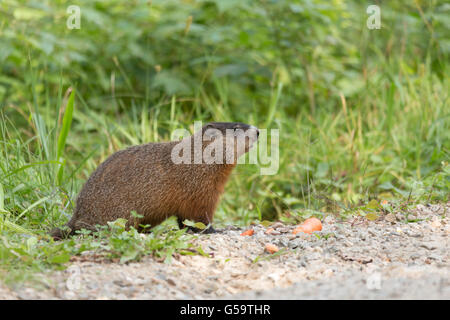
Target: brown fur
column 144, row 179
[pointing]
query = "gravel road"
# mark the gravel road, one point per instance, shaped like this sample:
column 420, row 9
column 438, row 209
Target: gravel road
column 358, row 258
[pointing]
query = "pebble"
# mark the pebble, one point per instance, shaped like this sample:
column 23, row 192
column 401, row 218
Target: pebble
column 428, row 246
column 384, row 247
column 277, row 225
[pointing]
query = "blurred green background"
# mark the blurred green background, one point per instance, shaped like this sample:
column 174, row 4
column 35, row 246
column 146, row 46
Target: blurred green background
column 363, row 114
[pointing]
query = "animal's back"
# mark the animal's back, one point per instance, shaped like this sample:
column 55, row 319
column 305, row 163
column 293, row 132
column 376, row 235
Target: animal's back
column 133, row 179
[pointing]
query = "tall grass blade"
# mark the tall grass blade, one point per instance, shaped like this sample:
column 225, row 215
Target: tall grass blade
column 67, row 122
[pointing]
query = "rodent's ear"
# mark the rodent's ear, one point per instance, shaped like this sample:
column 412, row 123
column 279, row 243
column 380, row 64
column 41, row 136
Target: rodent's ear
column 207, row 126
column 212, row 132
column 210, row 125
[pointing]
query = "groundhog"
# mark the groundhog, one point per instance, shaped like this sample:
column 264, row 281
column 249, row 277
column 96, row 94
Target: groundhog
column 182, row 178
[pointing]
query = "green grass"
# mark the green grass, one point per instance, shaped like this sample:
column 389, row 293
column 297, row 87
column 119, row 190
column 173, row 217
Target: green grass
column 330, row 163
column 363, row 115
column 23, row 256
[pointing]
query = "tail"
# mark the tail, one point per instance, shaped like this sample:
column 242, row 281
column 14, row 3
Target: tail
column 63, row 233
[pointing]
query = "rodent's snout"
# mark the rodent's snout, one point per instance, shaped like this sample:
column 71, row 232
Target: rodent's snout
column 255, row 129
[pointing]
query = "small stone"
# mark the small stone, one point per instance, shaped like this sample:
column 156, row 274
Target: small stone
column 318, row 249
column 420, row 207
column 428, row 246
column 435, row 223
column 390, row 217
column 277, row 225
column 427, row 212
column 414, row 234
column 122, row 283
column 303, row 262
column 291, row 236
column 434, row 257
column 328, row 219
column 283, row 242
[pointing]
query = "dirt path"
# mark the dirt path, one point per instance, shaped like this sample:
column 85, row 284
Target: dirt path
column 359, row 258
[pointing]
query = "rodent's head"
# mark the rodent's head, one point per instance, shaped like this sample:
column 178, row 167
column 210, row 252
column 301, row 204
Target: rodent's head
column 216, row 143
column 235, row 138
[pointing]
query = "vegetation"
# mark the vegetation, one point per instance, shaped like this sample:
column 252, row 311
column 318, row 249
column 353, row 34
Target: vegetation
column 363, row 114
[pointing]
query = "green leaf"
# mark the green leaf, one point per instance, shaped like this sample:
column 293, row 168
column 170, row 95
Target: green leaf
column 266, row 223
column 61, row 258
column 31, row 242
column 192, row 224
column 202, row 252
column 187, row 253
column 118, row 224
column 134, row 214
column 170, row 83
column 200, row 225
column 5, row 223
column 373, row 204
column 372, row 216
column 291, row 201
column 189, row 223
column 129, row 255
column 386, row 186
